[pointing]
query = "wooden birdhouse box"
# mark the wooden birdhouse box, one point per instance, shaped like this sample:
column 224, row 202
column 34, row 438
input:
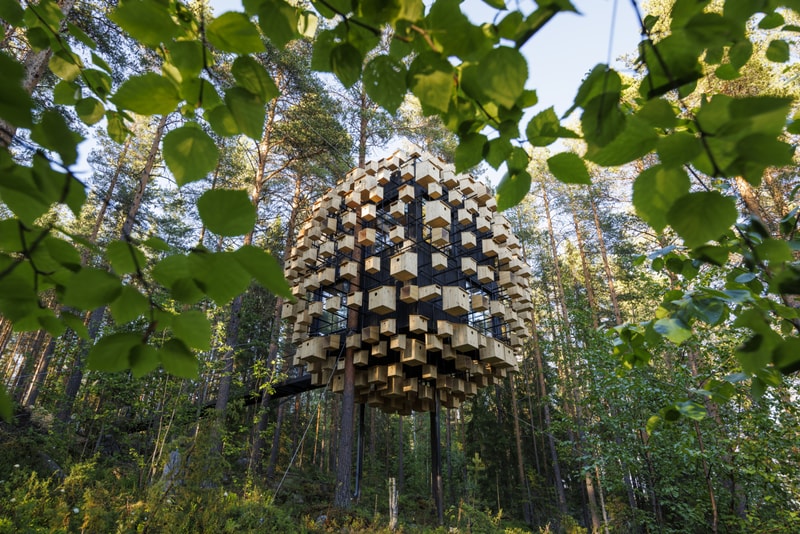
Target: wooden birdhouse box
column 348, row 270
column 485, row 274
column 469, row 266
column 468, row 240
column 355, row 299
column 397, row 234
column 409, row 293
column 366, row 237
column 464, row 338
column 414, row 353
column 369, row 212
column 440, row 237
column 406, row 193
column 403, row 266
column 388, row 327
column 379, row 350
column 372, row 264
column 417, row 324
column 455, row 300
column 437, row 213
column 430, row 292
column 382, row 300
column 438, row 261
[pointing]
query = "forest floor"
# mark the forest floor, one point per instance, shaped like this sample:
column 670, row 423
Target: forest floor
column 49, row 484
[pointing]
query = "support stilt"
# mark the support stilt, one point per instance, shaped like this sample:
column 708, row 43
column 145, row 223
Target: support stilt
column 436, row 459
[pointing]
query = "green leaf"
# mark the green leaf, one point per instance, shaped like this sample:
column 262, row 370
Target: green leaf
column 11, row 12
column 76, row 324
column 147, row 21
column 692, row 410
column 190, row 154
column 187, row 57
column 193, row 328
column 264, row 268
column 116, row 126
column 279, row 21
column 655, row 191
column 469, row 151
column 147, row 94
column 637, row 139
column 112, row 352
column 346, row 63
column 786, row 355
column 63, row 252
column 545, row 129
column 602, row 120
column 205, row 268
column 233, row 32
column 512, row 189
column 673, row 329
column 702, row 216
column 124, row 257
column 252, row 76
column 143, row 359
column 569, row 168
column 778, row 51
column 227, row 212
column 247, row 110
column 21, row 194
column 602, row 80
column 129, row 305
column 65, row 65
column 504, row 72
column 53, row 133
column 385, row 82
column 15, row 102
column 678, row 148
column 671, row 65
column 66, row 93
column 90, row 110
column 222, row 121
column 178, row 360
column 430, row 78
column 91, row 288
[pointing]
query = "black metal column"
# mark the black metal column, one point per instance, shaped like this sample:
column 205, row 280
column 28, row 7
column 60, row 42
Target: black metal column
column 436, row 459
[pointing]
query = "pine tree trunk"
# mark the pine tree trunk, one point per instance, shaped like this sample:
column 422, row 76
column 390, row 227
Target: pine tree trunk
column 96, row 317
column 527, row 504
column 606, row 265
column 258, row 440
column 587, row 277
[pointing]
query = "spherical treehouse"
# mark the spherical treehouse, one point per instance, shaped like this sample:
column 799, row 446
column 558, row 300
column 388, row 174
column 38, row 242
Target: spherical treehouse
column 411, row 267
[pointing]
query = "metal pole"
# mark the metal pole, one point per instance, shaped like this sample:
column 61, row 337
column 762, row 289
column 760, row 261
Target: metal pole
column 436, row 459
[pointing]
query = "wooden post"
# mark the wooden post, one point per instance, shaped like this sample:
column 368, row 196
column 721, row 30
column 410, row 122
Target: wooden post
column 436, row 459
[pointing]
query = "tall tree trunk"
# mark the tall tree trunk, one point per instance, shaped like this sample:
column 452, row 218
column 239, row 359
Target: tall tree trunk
column 573, row 405
column 606, row 264
column 527, row 504
column 587, row 277
column 95, row 318
column 258, row 440
column 263, row 149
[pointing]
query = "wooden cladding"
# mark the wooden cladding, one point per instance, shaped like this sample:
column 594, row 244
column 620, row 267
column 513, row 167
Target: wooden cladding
column 420, row 257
